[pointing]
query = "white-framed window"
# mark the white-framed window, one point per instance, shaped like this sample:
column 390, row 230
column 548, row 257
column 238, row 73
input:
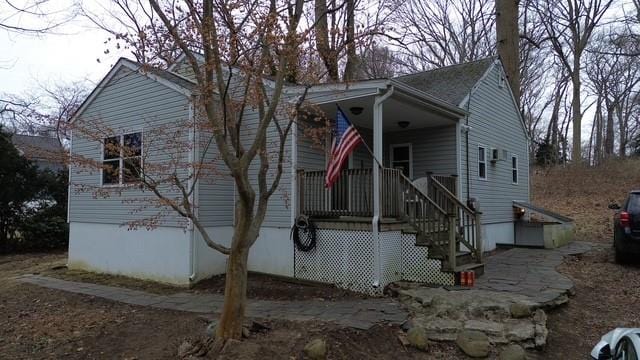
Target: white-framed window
column 514, row 169
column 402, row 158
column 122, row 159
column 482, row 162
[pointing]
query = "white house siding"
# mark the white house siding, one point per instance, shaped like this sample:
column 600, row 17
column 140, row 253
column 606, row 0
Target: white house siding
column 160, row 255
column 130, row 102
column 494, row 122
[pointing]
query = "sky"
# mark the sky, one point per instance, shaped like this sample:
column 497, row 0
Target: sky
column 67, row 55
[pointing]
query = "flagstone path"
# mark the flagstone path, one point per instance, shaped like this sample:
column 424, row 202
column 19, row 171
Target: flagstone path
column 360, row 314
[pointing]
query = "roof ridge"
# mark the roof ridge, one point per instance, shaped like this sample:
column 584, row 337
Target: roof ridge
column 492, row 57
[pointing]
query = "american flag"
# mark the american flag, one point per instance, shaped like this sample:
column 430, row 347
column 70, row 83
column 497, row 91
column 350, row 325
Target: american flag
column 346, row 139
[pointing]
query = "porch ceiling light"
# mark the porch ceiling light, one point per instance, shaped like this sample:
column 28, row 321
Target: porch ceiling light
column 356, row 110
column 403, row 124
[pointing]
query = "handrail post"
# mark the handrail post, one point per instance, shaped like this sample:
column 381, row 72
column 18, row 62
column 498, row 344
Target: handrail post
column 478, row 218
column 452, row 242
column 300, row 209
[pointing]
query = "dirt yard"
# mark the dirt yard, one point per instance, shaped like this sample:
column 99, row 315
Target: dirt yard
column 38, row 323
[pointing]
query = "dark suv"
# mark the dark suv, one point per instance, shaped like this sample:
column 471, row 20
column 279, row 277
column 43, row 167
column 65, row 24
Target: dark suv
column 626, row 228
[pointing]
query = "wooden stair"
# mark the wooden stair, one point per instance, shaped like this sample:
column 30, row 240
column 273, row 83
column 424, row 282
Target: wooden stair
column 433, row 228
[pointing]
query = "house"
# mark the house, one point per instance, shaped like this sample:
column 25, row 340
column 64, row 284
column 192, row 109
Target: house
column 44, row 151
column 451, row 157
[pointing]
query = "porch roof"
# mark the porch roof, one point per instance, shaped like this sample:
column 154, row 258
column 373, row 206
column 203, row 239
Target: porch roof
column 406, row 103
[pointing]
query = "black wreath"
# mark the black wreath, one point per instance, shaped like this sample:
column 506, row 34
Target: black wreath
column 304, row 234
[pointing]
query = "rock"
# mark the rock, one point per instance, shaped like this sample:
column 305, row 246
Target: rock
column 417, row 337
column 541, row 335
column 513, row 352
column 519, row 310
column 245, row 332
column 210, row 331
column 540, row 317
column 185, row 349
column 440, row 329
column 316, row 349
column 473, row 343
column 520, row 330
column 407, row 325
column 488, row 327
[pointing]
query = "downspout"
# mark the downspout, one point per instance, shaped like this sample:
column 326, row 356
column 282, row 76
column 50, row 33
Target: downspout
column 193, row 182
column 467, row 129
column 377, row 153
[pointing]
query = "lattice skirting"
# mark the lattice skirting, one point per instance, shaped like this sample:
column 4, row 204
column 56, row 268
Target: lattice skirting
column 347, row 259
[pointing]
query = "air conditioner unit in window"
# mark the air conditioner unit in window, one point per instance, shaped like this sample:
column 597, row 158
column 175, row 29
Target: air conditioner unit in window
column 498, row 155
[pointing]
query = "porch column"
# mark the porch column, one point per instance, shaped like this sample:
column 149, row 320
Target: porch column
column 377, row 163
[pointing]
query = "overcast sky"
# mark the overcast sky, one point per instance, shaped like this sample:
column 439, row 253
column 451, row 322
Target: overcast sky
column 67, row 55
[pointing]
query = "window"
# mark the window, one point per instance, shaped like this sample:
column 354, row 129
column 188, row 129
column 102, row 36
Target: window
column 401, row 158
column 482, row 162
column 514, row 169
column 122, row 159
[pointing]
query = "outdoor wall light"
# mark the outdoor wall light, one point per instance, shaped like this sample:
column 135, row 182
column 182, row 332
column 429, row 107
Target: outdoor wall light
column 403, row 124
column 356, row 110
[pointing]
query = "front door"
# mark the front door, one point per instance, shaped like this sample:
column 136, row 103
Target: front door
column 401, row 158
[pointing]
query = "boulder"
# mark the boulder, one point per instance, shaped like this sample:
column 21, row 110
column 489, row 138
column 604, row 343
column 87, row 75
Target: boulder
column 519, row 310
column 513, row 352
column 316, row 349
column 473, row 343
column 417, row 338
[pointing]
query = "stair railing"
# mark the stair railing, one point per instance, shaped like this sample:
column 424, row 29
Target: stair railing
column 467, row 221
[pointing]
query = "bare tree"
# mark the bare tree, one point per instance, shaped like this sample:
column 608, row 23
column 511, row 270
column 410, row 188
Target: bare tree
column 569, row 26
column 444, row 32
column 239, row 54
column 34, row 16
column 507, row 36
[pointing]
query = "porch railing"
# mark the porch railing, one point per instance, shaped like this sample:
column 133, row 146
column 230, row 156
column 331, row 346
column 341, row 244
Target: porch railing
column 444, row 222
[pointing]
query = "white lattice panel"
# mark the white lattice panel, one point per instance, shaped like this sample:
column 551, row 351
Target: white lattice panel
column 341, row 257
column 390, row 257
column 416, row 265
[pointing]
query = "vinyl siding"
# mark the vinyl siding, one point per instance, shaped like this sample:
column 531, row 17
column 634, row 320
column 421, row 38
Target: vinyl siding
column 130, row 102
column 433, row 149
column 495, row 123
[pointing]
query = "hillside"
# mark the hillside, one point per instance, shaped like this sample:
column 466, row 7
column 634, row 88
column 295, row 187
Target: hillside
column 583, row 193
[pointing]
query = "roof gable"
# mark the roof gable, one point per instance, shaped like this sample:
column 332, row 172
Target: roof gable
column 169, row 79
column 450, row 83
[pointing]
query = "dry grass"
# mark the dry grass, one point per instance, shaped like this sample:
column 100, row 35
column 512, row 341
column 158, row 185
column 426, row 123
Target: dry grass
column 583, row 193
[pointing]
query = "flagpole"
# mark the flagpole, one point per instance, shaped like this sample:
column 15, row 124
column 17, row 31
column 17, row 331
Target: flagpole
column 363, row 142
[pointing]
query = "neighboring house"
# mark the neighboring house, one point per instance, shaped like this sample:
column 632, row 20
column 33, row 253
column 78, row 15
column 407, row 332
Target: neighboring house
column 44, row 151
column 447, row 140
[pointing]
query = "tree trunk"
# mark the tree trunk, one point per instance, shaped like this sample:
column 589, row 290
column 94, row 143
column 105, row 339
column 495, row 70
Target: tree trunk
column 235, row 295
column 622, row 125
column 327, row 54
column 598, row 129
column 576, row 153
column 608, row 137
column 508, row 36
column 352, row 59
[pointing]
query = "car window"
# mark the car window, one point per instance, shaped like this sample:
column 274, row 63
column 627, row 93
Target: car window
column 633, row 204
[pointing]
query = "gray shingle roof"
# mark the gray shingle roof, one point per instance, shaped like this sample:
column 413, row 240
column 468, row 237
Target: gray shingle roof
column 449, row 83
column 40, row 148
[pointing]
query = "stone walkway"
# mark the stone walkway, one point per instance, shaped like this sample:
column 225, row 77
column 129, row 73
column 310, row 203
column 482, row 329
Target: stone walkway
column 530, row 272
column 360, row 314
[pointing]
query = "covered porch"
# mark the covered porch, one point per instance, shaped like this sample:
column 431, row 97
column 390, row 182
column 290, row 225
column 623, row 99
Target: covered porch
column 402, row 183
